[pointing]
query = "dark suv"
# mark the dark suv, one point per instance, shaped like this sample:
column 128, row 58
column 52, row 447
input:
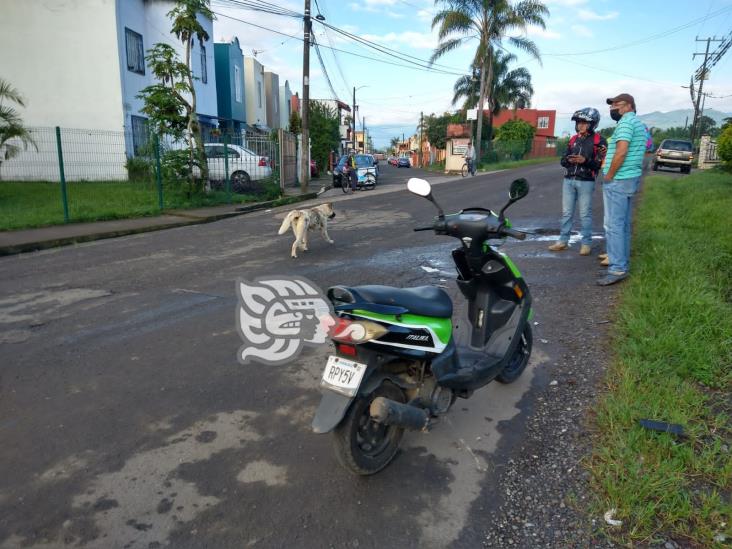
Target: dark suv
column 674, row 153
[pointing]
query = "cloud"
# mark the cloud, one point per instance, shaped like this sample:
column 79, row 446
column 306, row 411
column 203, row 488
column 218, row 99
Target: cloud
column 417, row 40
column 581, row 30
column 565, row 2
column 649, row 97
column 589, row 15
column 543, row 33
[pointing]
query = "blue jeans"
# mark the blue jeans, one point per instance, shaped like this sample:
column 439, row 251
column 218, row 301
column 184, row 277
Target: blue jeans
column 618, row 196
column 574, row 191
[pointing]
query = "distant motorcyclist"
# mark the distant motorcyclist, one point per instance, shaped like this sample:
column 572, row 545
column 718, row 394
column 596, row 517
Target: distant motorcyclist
column 352, row 171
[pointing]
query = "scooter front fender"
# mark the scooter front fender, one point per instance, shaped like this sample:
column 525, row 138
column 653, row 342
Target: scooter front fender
column 330, row 412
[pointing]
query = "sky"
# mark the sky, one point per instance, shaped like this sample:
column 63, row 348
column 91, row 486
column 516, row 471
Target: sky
column 590, row 50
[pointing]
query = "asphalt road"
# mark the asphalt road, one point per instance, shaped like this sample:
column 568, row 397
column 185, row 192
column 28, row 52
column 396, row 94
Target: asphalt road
column 126, row 420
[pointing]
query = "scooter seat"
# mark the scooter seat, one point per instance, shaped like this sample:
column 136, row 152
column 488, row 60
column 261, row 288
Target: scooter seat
column 422, row 300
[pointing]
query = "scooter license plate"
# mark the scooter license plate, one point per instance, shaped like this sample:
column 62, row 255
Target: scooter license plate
column 342, row 375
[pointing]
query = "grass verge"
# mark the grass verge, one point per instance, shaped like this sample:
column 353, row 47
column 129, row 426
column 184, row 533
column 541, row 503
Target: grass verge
column 26, row 204
column 672, row 355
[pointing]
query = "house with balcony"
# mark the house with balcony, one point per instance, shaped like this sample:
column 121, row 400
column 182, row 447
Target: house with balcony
column 230, row 85
column 272, row 99
column 83, row 65
column 255, row 97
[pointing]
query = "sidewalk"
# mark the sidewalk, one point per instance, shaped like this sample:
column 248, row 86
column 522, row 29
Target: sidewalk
column 27, row 240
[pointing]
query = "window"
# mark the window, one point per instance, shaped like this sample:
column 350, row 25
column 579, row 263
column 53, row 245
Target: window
column 204, row 68
column 259, row 94
column 543, row 122
column 551, row 143
column 237, row 83
column 135, row 51
column 140, row 135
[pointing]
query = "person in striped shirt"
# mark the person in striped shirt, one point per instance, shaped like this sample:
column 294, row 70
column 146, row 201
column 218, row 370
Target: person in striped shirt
column 622, row 172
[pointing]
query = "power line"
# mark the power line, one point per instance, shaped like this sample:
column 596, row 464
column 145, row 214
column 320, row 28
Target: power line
column 260, row 6
column 322, row 66
column 377, row 60
column 657, row 36
column 425, row 63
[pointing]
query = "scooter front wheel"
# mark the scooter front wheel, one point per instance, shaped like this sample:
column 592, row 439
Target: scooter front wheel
column 362, row 445
column 519, row 359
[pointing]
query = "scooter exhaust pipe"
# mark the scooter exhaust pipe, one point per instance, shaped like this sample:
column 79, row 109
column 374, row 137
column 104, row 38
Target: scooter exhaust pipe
column 395, row 413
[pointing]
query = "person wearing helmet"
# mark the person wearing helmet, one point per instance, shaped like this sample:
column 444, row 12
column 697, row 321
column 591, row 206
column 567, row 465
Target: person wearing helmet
column 582, row 161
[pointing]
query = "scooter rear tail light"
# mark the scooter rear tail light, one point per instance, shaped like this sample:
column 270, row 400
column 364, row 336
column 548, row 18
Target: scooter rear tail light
column 361, row 331
column 344, row 349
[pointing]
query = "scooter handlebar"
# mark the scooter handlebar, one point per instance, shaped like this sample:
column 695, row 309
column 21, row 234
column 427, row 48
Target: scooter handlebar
column 515, row 234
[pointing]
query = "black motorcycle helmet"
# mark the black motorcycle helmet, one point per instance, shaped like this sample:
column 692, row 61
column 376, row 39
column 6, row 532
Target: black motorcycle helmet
column 589, row 115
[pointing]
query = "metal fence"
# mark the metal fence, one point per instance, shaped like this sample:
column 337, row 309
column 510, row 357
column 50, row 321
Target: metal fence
column 82, row 175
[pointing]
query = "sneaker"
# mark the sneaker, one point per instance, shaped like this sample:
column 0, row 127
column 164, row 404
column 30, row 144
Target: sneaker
column 585, row 250
column 611, row 277
column 558, row 246
column 605, row 262
column 601, row 256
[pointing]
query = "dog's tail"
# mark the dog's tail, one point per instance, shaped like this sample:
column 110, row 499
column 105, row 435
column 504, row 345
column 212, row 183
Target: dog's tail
column 288, row 221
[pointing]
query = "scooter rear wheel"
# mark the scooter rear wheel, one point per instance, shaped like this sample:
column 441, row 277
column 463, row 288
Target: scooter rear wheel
column 362, row 445
column 520, row 358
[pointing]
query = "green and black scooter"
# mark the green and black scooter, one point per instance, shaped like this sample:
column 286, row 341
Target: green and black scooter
column 397, row 365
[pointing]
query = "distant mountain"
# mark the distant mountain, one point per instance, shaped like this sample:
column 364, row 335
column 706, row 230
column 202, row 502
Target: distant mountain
column 665, row 120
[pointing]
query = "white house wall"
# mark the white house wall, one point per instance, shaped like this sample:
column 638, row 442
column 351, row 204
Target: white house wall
column 62, row 57
column 285, row 105
column 256, row 101
column 149, row 18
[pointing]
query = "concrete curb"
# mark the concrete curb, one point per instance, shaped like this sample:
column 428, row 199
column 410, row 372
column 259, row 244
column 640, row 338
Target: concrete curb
column 12, row 249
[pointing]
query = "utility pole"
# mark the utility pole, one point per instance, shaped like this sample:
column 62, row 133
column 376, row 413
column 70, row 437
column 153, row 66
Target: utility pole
column 363, row 131
column 701, row 75
column 305, row 153
column 353, row 121
column 421, row 125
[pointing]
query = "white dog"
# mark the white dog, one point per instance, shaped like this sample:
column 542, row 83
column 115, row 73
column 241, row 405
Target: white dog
column 303, row 221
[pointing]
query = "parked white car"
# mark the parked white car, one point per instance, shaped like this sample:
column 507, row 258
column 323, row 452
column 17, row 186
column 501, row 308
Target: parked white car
column 245, row 166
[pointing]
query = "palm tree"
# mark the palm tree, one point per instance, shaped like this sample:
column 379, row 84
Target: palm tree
column 11, row 125
column 395, row 142
column 491, row 22
column 511, row 88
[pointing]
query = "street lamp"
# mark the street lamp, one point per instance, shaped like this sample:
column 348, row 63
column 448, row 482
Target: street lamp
column 353, row 117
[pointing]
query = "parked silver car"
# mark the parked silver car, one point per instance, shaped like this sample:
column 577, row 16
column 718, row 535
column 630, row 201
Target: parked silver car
column 245, row 166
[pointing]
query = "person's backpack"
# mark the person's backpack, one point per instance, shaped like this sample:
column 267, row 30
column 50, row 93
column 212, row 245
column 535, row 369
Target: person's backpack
column 595, row 145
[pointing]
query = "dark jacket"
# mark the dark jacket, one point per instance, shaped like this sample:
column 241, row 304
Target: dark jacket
column 594, row 157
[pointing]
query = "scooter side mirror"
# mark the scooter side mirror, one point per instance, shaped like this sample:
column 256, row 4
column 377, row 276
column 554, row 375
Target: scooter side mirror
column 419, row 186
column 423, row 188
column 519, row 189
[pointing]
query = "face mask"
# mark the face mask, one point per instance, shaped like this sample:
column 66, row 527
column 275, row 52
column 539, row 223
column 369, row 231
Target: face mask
column 615, row 114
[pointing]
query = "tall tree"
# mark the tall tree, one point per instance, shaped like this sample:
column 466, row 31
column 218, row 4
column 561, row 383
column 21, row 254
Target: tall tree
column 492, row 22
column 324, row 132
column 13, row 134
column 186, row 26
column 511, row 87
